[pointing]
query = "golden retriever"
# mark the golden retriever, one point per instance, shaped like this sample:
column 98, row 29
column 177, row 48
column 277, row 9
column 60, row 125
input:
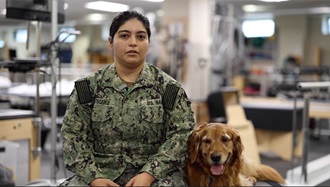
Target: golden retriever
column 215, row 159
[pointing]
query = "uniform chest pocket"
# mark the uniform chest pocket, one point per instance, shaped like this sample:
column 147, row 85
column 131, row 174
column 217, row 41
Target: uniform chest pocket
column 102, row 113
column 153, row 111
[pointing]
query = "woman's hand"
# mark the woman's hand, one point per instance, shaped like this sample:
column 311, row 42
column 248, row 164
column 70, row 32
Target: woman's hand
column 143, row 179
column 102, row 182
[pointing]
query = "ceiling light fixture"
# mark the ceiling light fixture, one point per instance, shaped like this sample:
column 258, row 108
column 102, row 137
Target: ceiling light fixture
column 106, row 6
column 96, row 17
column 250, row 8
column 273, row 1
column 66, row 6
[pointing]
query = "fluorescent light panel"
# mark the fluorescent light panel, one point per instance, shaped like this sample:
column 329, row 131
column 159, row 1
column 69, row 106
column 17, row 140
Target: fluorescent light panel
column 273, row 1
column 96, row 17
column 106, row 6
column 250, row 8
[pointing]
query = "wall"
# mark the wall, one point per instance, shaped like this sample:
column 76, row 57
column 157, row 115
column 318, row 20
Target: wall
column 316, row 40
column 301, row 35
column 89, row 40
column 291, row 36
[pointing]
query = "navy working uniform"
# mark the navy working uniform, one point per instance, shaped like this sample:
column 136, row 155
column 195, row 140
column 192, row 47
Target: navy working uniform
column 114, row 131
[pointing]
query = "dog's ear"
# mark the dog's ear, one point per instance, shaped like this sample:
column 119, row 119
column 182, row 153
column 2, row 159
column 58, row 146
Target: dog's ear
column 193, row 147
column 238, row 148
column 194, row 142
column 200, row 127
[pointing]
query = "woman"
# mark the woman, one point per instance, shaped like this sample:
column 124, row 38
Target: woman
column 128, row 123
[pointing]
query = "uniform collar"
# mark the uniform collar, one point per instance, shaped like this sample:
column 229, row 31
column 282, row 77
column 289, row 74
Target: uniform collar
column 111, row 78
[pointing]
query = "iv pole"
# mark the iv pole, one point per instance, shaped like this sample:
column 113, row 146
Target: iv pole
column 54, row 63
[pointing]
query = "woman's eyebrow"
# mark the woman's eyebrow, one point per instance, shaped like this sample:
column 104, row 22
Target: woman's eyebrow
column 143, row 32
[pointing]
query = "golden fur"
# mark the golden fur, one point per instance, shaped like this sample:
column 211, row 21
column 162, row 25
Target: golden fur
column 215, row 159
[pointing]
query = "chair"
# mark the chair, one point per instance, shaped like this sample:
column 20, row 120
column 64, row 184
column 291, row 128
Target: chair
column 217, row 102
column 216, row 107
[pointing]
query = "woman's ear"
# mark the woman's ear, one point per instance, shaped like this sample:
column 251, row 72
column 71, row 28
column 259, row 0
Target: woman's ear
column 110, row 40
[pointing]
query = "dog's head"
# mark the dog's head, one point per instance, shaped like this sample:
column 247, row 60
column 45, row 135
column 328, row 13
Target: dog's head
column 215, row 146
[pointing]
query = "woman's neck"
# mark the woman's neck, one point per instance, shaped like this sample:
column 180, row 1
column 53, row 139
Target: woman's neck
column 128, row 75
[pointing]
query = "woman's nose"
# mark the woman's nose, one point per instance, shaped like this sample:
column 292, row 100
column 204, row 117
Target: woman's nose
column 132, row 41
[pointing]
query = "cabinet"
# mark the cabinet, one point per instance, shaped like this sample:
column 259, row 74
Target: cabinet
column 20, row 128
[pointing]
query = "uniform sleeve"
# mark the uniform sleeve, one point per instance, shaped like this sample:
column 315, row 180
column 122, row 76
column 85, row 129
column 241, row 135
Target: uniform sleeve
column 172, row 154
column 77, row 141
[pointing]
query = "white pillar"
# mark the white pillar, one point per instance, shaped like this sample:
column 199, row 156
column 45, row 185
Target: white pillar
column 199, row 49
column 195, row 17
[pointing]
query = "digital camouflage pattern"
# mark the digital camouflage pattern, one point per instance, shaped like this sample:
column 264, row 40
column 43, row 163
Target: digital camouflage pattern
column 126, row 131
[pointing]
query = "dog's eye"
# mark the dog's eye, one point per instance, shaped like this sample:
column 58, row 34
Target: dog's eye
column 208, row 141
column 224, row 138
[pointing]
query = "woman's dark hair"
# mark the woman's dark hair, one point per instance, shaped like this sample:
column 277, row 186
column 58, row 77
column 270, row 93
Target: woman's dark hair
column 122, row 17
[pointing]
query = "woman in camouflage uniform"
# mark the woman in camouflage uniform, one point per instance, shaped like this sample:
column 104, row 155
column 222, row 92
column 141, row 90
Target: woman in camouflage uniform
column 128, row 123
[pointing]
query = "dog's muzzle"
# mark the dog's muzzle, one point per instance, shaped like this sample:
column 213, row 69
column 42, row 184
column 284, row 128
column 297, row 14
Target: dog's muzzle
column 217, row 168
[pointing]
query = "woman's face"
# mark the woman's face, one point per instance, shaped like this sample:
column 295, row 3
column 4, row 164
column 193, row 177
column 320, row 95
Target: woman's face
column 130, row 44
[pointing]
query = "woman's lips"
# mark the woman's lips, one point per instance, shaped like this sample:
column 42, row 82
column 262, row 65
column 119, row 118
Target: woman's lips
column 132, row 52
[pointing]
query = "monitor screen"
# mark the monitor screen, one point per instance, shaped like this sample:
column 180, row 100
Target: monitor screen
column 39, row 10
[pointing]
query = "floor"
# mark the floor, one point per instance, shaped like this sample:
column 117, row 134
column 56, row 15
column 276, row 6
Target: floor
column 318, row 147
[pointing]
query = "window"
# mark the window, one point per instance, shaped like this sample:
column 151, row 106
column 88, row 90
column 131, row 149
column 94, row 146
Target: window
column 325, row 25
column 66, row 37
column 258, row 28
column 21, row 35
column 2, row 43
column 105, row 32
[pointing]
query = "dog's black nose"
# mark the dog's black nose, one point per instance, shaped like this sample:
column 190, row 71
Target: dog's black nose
column 215, row 157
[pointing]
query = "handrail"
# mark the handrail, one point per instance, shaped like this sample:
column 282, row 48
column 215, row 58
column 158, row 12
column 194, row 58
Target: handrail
column 311, row 85
column 307, row 86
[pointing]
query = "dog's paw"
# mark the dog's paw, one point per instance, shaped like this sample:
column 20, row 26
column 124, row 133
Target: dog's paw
column 252, row 180
column 247, row 180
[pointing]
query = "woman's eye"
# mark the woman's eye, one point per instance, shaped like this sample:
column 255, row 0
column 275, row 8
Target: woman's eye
column 142, row 37
column 123, row 36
